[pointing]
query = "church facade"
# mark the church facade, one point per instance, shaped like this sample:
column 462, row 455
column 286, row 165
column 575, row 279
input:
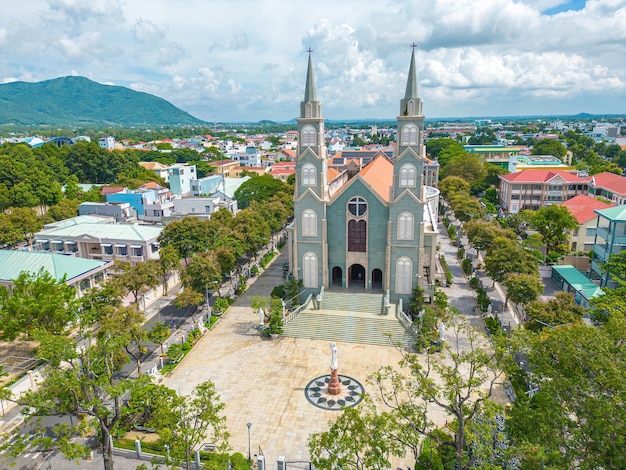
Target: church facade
column 371, row 229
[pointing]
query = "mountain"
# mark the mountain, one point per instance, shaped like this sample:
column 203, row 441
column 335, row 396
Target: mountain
column 80, row 101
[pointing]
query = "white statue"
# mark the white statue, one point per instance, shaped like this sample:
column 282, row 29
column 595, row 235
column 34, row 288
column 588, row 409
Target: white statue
column 333, row 356
column 442, row 331
column 261, row 317
column 489, row 309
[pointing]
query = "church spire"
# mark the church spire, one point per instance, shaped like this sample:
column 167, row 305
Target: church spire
column 411, row 83
column 309, row 91
column 310, row 107
column 411, row 104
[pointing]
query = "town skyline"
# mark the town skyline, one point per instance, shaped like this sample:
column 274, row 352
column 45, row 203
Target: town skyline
column 245, row 61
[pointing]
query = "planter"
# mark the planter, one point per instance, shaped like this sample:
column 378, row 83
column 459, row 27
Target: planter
column 274, row 335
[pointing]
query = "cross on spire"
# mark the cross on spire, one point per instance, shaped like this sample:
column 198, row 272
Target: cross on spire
column 413, row 46
column 309, row 50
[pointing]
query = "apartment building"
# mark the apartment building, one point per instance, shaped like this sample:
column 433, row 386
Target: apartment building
column 609, row 186
column 532, row 189
column 583, row 207
column 610, row 239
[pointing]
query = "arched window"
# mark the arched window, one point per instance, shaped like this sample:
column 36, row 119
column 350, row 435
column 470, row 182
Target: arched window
column 308, row 110
column 407, row 176
column 309, row 223
column 409, row 134
column 357, row 236
column 404, row 272
column 405, row 226
column 411, row 108
column 309, row 266
column 308, row 137
column 308, row 175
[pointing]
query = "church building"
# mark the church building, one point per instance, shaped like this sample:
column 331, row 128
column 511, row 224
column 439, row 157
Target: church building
column 372, row 230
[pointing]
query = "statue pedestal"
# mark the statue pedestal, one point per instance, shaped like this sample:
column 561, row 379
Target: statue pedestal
column 334, row 387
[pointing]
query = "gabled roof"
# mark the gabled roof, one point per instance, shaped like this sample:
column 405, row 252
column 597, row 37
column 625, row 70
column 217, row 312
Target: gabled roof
column 379, row 175
column 543, row 176
column 111, row 190
column 152, row 165
column 611, row 181
column 582, row 207
column 332, row 174
column 151, row 185
column 13, row 262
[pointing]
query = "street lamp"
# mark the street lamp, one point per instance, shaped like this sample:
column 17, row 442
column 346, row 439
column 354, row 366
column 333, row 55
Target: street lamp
column 249, row 425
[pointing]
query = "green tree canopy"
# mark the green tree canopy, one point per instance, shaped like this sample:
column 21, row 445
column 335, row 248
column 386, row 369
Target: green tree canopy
column 258, row 188
column 553, row 222
column 549, row 147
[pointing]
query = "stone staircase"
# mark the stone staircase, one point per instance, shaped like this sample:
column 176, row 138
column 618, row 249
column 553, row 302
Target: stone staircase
column 349, row 302
column 351, row 318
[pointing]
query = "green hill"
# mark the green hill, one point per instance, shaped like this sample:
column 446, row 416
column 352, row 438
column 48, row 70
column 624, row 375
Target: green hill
column 80, row 101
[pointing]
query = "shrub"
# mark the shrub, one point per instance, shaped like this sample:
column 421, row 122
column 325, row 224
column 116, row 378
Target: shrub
column 254, row 270
column 483, row 299
column 461, row 253
column 466, row 264
column 452, row 232
column 221, row 304
column 241, row 288
column 278, row 292
column 473, row 282
column 493, row 326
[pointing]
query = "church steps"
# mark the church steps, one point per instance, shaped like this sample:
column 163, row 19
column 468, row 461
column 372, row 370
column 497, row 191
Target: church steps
column 353, row 302
column 343, row 327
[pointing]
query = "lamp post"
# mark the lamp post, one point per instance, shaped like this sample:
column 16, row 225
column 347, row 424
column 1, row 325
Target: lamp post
column 249, row 425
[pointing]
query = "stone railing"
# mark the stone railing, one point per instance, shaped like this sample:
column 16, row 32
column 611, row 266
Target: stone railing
column 293, row 315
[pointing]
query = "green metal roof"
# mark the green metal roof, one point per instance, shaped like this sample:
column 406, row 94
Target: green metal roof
column 13, row 262
column 129, row 232
column 617, row 213
column 578, row 281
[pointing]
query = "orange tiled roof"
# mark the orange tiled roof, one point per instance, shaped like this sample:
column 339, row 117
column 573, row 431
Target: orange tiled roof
column 332, row 174
column 582, row 207
column 379, row 175
column 539, row 176
column 111, row 190
column 610, row 181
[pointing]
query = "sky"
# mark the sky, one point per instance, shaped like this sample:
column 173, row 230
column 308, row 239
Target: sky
column 245, row 60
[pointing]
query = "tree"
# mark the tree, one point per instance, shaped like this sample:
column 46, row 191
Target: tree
column 506, row 257
column 453, row 186
column 64, row 209
column 184, row 422
column 358, row 439
column 36, row 302
column 416, row 302
column 576, row 419
column 482, row 234
column 26, row 222
column 258, row 188
column 562, row 310
column 138, row 278
column 549, row 147
column 188, row 235
column 470, row 167
column 203, row 270
column 466, row 207
column 435, row 146
column 458, row 382
column 553, row 222
column 522, row 288
column 126, row 323
column 159, row 334
column 253, row 230
column 86, row 386
column 169, row 260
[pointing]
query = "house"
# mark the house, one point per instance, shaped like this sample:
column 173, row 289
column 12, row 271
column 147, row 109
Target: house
column 224, row 167
column 364, row 223
column 180, row 177
column 106, row 143
column 78, row 272
column 100, row 241
column 583, row 207
column 609, row 186
column 158, row 168
column 610, row 239
column 532, row 189
column 120, row 211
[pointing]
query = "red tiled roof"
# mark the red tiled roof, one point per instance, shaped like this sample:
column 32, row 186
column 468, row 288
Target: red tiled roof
column 283, row 171
column 611, row 181
column 582, row 207
column 542, row 176
column 285, row 164
column 379, row 174
column 111, row 190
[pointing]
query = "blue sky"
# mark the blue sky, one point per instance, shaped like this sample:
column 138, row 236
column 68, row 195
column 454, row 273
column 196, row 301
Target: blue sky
column 245, row 60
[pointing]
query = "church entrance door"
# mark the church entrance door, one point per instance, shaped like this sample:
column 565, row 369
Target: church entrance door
column 337, row 277
column 356, row 274
column 377, row 279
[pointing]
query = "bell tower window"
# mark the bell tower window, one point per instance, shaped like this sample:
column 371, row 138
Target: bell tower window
column 308, row 137
column 409, row 134
column 308, row 175
column 407, row 176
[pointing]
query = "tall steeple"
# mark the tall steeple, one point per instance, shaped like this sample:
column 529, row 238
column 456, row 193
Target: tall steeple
column 310, row 108
column 411, row 104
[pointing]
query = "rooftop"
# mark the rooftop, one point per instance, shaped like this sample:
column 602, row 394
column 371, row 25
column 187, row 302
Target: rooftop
column 582, row 207
column 379, row 175
column 578, row 281
column 130, row 232
column 610, row 181
column 13, row 262
column 617, row 213
column 543, row 176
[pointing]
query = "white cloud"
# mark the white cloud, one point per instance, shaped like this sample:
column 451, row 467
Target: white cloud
column 246, row 59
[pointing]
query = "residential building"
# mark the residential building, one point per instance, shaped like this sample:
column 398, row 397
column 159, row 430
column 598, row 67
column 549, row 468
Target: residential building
column 158, row 168
column 609, row 186
column 99, row 241
column 583, row 207
column 106, row 142
column 180, row 177
column 610, row 239
column 224, row 167
column 78, row 273
column 120, row 211
column 532, row 189
column 367, row 226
